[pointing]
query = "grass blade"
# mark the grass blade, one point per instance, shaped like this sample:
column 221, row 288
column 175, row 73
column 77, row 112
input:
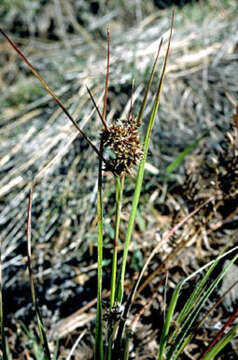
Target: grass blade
column 142, row 108
column 168, row 320
column 182, row 155
column 195, row 294
column 191, row 302
column 140, row 174
column 188, row 322
column 196, row 329
column 172, row 352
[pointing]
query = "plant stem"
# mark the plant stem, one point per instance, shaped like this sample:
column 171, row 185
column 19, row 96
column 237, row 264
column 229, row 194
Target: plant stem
column 140, row 173
column 51, row 92
column 41, row 328
column 111, row 339
column 126, row 351
column 119, row 192
column 98, row 353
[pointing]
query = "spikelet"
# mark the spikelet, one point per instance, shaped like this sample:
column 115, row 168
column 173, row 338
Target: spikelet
column 123, row 139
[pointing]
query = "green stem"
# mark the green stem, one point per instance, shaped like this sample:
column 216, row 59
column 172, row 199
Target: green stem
column 112, row 337
column 98, row 353
column 140, row 173
column 127, row 345
column 130, row 229
column 119, row 191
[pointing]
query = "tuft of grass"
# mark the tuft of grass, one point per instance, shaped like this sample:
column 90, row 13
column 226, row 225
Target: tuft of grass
column 172, row 344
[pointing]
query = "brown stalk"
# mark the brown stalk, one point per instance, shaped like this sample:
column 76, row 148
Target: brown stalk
column 40, row 324
column 97, row 109
column 131, row 101
column 107, row 77
column 56, row 99
column 214, row 306
column 220, row 333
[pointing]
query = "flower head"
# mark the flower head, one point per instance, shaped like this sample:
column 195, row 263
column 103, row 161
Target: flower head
column 123, row 139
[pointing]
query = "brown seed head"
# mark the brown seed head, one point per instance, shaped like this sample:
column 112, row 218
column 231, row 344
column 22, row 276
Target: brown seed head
column 123, row 140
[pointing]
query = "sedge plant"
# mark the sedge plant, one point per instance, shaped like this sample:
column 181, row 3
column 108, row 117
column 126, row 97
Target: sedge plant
column 121, row 151
column 123, row 140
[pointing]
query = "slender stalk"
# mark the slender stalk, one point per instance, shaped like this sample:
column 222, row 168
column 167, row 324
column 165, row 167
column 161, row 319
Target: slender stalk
column 221, row 344
column 140, row 174
column 119, row 191
column 98, row 353
column 142, row 108
column 51, row 92
column 111, row 340
column 127, row 345
column 97, row 109
column 196, row 329
column 41, row 328
column 107, row 76
column 219, row 335
column 131, row 104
